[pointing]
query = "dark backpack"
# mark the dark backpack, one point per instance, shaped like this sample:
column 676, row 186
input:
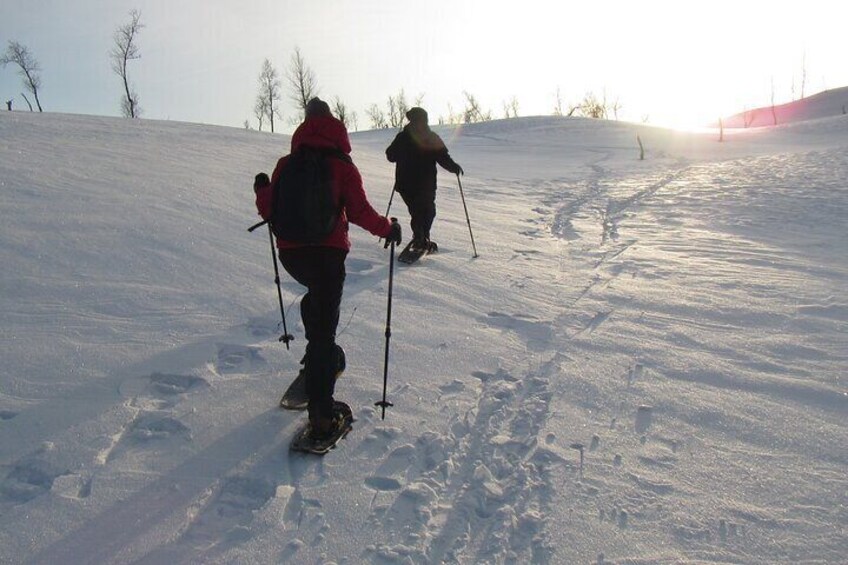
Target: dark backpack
column 302, row 205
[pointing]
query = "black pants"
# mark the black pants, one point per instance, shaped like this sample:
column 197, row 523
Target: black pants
column 422, row 208
column 322, row 271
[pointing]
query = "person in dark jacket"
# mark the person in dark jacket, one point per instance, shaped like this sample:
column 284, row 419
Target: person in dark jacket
column 320, row 267
column 416, row 150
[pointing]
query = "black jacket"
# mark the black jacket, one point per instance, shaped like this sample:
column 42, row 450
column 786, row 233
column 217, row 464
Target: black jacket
column 416, row 153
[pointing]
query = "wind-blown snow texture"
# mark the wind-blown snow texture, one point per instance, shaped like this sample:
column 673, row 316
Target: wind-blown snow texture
column 679, row 322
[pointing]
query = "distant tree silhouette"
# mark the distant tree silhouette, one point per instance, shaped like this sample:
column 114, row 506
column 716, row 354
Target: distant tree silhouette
column 473, row 112
column 29, row 68
column 301, row 82
column 748, row 117
column 341, row 111
column 27, row 101
column 452, row 117
column 377, row 117
column 803, row 74
column 558, row 103
column 511, row 108
column 269, row 95
column 592, row 107
column 260, row 111
column 773, row 110
column 124, row 51
column 397, row 109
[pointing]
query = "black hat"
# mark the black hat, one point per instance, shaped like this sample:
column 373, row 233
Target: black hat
column 317, row 107
column 416, row 114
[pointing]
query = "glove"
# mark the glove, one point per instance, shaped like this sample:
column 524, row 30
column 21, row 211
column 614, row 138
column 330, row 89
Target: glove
column 260, row 181
column 394, row 234
column 459, row 170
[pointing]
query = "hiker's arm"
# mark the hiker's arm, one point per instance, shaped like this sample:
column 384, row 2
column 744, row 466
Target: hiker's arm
column 395, row 150
column 264, row 194
column 359, row 210
column 444, row 159
column 263, row 201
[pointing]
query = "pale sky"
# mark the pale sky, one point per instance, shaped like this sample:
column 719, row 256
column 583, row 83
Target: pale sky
column 673, row 63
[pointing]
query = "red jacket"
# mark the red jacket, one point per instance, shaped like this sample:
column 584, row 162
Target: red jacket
column 328, row 132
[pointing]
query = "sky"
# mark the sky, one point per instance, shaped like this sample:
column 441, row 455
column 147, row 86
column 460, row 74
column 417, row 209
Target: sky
column 679, row 64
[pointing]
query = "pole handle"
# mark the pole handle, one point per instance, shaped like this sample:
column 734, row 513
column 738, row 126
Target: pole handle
column 252, row 228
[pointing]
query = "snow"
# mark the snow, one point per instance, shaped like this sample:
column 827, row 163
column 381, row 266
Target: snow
column 678, row 323
column 821, row 105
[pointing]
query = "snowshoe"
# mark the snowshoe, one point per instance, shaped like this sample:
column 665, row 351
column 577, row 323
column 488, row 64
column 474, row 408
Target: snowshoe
column 307, row 440
column 416, row 249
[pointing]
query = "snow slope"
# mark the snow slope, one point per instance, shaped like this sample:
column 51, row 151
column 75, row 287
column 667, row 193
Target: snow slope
column 826, row 104
column 679, row 324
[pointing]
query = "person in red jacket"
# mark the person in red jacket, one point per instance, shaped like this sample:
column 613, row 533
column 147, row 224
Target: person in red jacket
column 320, row 267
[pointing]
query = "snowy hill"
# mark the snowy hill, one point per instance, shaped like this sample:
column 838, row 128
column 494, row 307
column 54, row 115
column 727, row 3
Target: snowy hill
column 825, row 104
column 646, row 364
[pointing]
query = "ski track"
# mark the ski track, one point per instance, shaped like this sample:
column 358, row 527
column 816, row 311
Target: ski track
column 477, row 494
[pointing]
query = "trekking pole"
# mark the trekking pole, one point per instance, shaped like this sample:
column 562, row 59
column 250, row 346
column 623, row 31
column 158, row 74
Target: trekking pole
column 286, row 337
column 467, row 219
column 389, row 207
column 383, row 403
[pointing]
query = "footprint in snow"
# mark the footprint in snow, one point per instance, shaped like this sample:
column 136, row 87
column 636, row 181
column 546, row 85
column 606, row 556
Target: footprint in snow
column 234, row 505
column 644, row 418
column 391, row 474
column 160, row 391
column 358, row 266
column 262, row 328
column 167, row 385
column 237, row 358
column 27, row 480
column 146, row 429
column 537, row 334
column 377, row 442
column 454, row 387
column 150, row 426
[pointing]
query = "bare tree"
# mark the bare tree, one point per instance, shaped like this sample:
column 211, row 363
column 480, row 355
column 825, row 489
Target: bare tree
column 473, row 112
column 592, row 107
column 260, row 110
column 269, row 95
column 27, row 101
column 301, row 81
column 453, row 117
column 377, row 117
column 558, row 104
column 773, row 110
column 344, row 115
column 29, row 68
column 397, row 109
column 615, row 107
column 124, row 51
column 748, row 117
column 511, row 108
column 803, row 74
